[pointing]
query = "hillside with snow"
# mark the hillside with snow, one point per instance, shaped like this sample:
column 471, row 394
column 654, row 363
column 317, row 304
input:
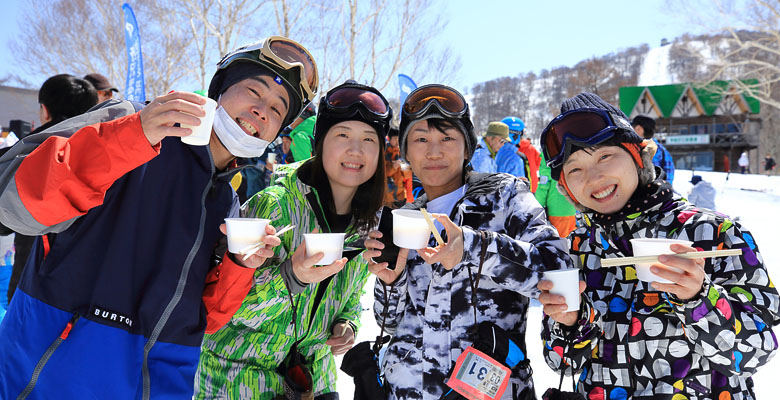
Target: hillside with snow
column 754, row 200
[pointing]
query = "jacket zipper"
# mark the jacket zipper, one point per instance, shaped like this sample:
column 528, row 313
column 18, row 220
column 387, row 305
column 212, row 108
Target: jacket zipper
column 179, row 287
column 46, row 356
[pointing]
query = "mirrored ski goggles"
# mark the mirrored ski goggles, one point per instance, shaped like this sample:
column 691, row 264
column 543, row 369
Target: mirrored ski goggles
column 345, row 98
column 446, row 99
column 286, row 54
column 585, row 127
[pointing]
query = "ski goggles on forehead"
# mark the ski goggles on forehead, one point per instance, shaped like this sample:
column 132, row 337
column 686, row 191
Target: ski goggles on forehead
column 286, row 54
column 343, row 99
column 585, row 127
column 446, row 99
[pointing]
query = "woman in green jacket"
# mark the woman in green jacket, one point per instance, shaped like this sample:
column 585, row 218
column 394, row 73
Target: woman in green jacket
column 295, row 307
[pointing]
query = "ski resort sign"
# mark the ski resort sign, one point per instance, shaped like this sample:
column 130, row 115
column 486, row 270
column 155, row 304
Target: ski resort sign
column 677, row 140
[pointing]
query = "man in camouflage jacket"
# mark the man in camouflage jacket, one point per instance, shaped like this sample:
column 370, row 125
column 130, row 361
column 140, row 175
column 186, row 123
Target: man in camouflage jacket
column 428, row 309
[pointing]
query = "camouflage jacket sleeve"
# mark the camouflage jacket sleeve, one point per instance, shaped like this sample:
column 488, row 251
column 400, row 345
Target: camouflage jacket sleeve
column 730, row 321
column 521, row 248
column 390, row 303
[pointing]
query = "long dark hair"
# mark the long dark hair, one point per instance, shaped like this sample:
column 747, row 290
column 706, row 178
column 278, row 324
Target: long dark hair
column 368, row 198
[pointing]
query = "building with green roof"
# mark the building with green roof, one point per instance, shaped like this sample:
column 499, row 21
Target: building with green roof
column 704, row 127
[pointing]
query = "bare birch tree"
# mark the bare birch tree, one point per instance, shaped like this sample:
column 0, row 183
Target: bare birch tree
column 366, row 40
column 216, row 27
column 84, row 36
column 744, row 48
column 371, row 41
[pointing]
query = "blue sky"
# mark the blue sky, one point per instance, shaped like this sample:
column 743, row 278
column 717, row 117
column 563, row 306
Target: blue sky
column 497, row 38
column 505, row 37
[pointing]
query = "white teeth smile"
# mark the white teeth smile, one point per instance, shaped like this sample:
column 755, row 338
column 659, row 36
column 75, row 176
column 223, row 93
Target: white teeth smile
column 248, row 127
column 604, row 193
column 352, row 166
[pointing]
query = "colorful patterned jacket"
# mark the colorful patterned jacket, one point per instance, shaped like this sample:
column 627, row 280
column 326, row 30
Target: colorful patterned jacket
column 634, row 342
column 240, row 360
column 429, row 309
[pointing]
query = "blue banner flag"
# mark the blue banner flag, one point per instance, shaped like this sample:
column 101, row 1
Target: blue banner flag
column 134, row 86
column 406, row 84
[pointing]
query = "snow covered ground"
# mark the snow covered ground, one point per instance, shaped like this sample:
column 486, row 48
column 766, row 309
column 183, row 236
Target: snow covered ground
column 755, row 199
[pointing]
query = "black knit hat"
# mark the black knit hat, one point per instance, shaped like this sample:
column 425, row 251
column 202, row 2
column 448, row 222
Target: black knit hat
column 328, row 116
column 590, row 100
column 647, row 123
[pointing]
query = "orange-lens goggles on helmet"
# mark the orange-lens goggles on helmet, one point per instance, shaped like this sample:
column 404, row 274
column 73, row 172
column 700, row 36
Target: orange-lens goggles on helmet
column 285, row 54
column 446, row 99
column 288, row 54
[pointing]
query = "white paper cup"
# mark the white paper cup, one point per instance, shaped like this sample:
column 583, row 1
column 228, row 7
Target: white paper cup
column 244, row 232
column 410, row 230
column 331, row 245
column 652, row 247
column 566, row 283
column 272, row 159
column 201, row 134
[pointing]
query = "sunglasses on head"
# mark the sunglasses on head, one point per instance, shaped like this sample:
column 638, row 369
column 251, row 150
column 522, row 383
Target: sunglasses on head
column 447, row 100
column 585, row 127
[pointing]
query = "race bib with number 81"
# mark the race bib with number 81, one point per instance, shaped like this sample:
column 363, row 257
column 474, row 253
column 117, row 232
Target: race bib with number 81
column 477, row 376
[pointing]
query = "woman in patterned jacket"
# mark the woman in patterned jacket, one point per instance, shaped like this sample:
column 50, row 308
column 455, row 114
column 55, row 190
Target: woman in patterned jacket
column 426, row 301
column 703, row 335
column 340, row 189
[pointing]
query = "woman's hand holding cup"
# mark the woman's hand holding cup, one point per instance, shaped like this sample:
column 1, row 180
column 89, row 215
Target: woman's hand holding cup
column 306, row 269
column 555, row 305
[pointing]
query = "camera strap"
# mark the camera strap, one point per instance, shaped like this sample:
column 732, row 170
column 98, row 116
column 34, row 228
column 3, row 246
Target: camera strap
column 476, row 375
column 475, row 283
column 380, row 341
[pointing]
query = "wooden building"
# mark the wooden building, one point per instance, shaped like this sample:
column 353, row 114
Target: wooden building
column 703, row 127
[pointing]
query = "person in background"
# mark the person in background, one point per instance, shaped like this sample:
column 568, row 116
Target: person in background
column 700, row 336
column 530, row 154
column 302, row 135
column 560, row 212
column 482, row 161
column 399, row 175
column 505, row 153
column 702, row 193
column 769, row 164
column 744, row 162
column 645, row 127
column 105, row 90
column 60, row 97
